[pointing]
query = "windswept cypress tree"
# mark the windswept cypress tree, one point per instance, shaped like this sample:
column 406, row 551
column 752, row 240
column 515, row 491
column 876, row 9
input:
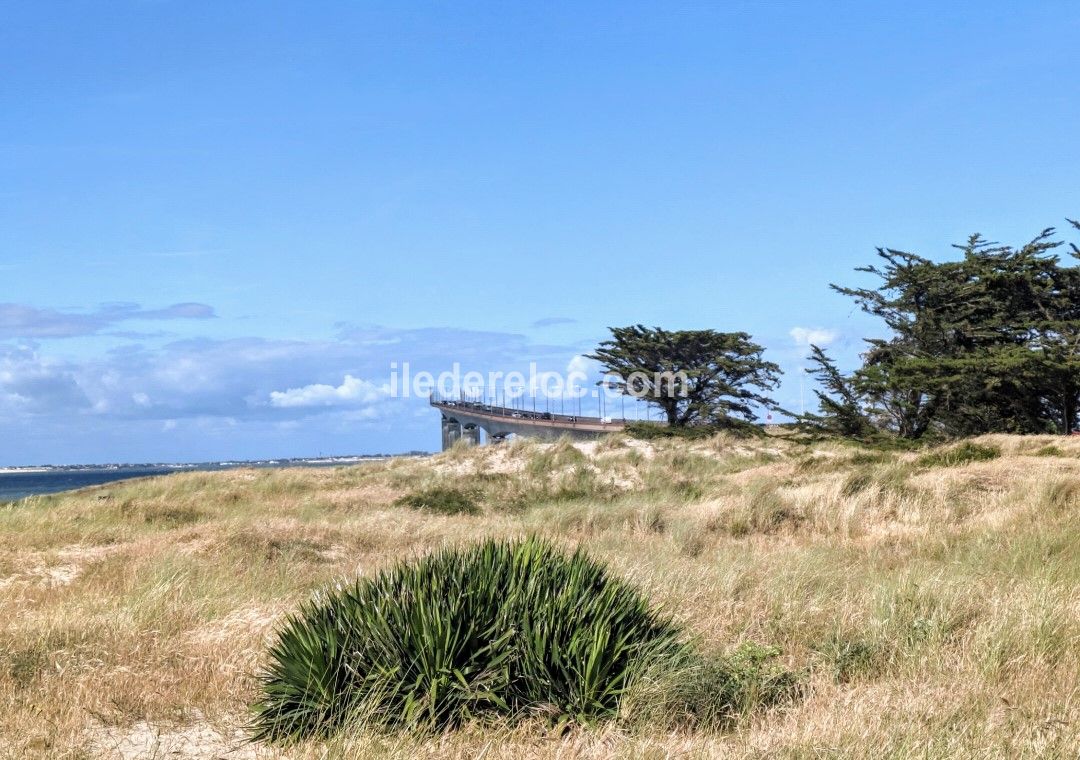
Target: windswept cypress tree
column 988, row 343
column 694, row 376
column 842, row 408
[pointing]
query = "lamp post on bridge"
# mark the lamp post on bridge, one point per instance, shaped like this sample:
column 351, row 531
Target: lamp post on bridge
column 622, row 397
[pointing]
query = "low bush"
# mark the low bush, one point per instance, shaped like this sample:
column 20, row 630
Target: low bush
column 497, row 629
column 443, row 500
column 712, row 692
column 1049, row 451
column 860, row 458
column 752, row 677
column 960, row 454
column 850, row 658
column 648, row 431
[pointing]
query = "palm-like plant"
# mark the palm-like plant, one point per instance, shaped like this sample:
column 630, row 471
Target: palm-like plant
column 507, row 628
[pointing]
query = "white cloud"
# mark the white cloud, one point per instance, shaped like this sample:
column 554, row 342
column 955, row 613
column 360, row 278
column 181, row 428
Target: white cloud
column 117, row 404
column 32, row 383
column 818, row 336
column 580, row 364
column 353, row 391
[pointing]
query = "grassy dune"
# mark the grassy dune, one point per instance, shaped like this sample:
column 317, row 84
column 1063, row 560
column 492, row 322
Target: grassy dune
column 929, row 604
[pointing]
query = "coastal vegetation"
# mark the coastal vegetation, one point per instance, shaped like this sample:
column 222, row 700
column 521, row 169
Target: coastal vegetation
column 987, row 343
column 508, row 629
column 835, row 598
column 698, row 378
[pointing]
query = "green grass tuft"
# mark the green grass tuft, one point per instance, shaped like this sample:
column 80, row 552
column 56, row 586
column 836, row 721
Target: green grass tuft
column 1049, row 451
column 961, row 454
column 442, row 500
column 699, row 691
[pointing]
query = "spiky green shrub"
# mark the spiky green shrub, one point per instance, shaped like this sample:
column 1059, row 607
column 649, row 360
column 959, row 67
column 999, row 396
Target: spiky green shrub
column 509, row 629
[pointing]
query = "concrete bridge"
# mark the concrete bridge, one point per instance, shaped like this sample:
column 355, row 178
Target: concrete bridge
column 464, row 419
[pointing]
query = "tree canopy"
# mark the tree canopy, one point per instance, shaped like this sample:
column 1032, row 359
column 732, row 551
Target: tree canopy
column 987, row 343
column 694, row 376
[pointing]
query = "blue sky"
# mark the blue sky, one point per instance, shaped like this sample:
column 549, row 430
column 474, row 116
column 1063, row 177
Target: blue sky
column 205, row 204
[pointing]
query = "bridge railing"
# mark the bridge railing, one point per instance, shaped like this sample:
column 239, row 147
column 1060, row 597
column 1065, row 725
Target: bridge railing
column 482, row 407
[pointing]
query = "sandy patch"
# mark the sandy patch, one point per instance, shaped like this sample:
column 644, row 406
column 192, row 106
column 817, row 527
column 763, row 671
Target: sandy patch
column 143, row 741
column 42, row 568
column 505, row 459
column 49, row 577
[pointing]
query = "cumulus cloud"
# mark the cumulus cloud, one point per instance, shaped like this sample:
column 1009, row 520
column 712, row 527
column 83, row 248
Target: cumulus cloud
column 352, row 392
column 23, row 321
column 818, row 336
column 580, row 364
column 252, row 379
column 33, row 384
column 313, row 393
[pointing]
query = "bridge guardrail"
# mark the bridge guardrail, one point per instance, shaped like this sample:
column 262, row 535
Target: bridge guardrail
column 485, row 409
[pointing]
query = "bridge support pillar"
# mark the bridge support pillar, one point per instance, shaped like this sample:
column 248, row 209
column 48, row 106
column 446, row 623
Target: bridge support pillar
column 471, row 434
column 451, row 432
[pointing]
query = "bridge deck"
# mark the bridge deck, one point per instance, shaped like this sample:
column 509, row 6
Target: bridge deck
column 545, row 421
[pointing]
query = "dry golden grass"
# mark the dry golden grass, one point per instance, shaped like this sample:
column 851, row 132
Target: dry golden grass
column 929, row 611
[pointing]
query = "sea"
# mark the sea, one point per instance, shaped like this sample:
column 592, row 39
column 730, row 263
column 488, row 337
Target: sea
column 19, row 482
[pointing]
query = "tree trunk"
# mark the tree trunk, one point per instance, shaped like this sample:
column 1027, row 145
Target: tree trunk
column 672, row 412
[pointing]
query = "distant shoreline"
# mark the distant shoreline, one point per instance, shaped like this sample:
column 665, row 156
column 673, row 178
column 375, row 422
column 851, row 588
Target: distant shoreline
column 223, row 464
column 38, row 480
